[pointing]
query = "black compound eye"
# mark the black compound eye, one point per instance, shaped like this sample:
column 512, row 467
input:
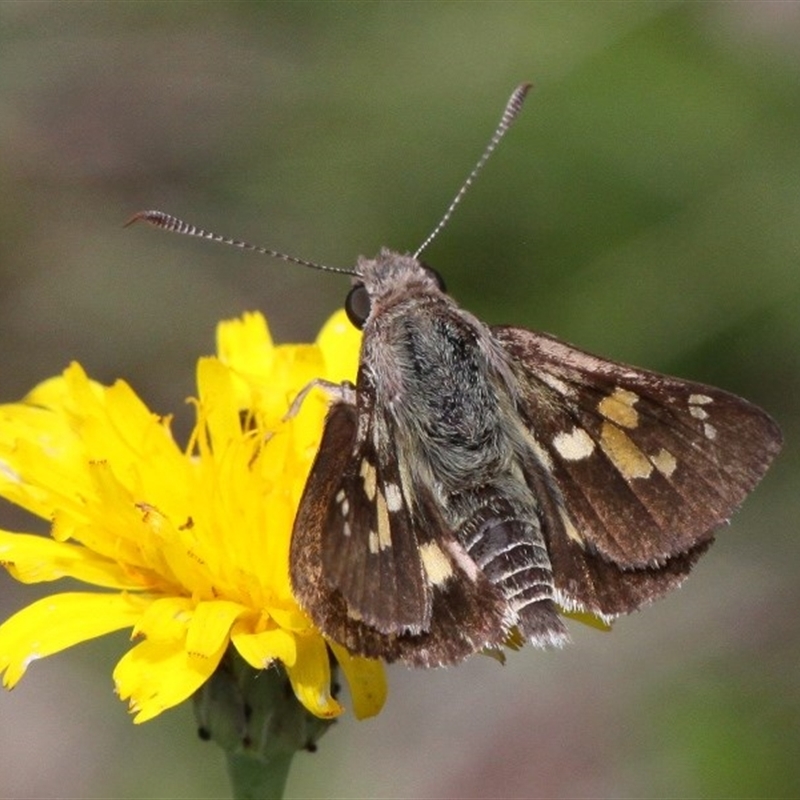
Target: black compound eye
column 358, row 305
column 435, row 275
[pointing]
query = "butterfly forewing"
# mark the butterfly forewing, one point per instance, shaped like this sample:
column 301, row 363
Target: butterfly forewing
column 642, row 467
column 407, row 592
column 370, row 552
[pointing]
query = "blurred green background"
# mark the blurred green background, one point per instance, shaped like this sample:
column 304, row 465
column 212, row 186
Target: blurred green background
column 646, row 206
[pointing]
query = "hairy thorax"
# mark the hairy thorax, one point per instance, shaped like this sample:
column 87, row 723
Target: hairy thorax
column 439, row 380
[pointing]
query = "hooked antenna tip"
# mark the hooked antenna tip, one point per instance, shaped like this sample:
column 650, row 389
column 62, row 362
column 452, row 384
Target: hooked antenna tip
column 155, row 218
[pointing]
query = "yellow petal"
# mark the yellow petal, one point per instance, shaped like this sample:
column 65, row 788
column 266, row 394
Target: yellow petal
column 59, row 392
column 210, row 627
column 166, row 619
column 261, row 649
column 245, row 345
column 220, row 409
column 155, row 676
column 122, row 430
column 311, row 677
column 40, row 458
column 31, row 559
column 340, row 344
column 291, row 619
column 587, row 619
column 58, row 622
column 366, row 678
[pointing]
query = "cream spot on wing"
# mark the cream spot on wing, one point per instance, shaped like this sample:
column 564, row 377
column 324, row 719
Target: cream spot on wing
column 374, row 546
column 569, row 527
column 405, row 473
column 623, row 453
column 618, row 407
column 700, row 399
column 575, row 445
column 556, row 383
column 436, row 564
column 394, row 498
column 367, row 473
column 664, row 462
column 343, row 502
column 710, row 431
column 346, row 529
column 384, row 529
column 541, row 454
column 698, row 413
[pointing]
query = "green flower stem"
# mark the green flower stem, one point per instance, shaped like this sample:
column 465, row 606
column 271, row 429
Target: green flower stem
column 254, row 716
column 254, row 779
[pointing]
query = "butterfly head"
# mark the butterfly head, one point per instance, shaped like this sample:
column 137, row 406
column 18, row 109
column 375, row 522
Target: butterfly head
column 381, row 281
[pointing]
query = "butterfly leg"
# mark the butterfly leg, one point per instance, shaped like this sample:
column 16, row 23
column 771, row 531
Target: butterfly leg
column 344, row 392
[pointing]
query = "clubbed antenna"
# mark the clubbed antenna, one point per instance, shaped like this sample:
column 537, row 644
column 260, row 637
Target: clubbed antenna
column 511, row 112
column 167, row 222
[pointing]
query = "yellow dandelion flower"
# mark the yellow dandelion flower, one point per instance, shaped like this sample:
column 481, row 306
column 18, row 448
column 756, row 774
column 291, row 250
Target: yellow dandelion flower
column 188, row 548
